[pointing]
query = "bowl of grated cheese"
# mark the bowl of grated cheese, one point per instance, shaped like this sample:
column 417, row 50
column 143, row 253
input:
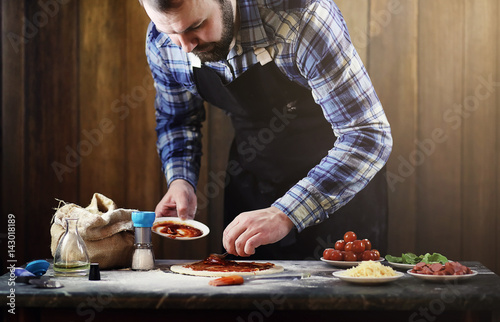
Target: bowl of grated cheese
column 368, row 272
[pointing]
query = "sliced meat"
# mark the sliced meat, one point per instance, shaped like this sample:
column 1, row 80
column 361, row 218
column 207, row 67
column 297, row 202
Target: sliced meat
column 426, row 270
column 419, row 266
column 457, row 267
column 436, row 267
column 448, row 269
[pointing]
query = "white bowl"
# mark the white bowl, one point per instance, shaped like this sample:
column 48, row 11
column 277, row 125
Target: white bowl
column 175, row 220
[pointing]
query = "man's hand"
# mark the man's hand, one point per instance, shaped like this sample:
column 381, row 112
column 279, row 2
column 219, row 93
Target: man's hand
column 180, row 201
column 252, row 229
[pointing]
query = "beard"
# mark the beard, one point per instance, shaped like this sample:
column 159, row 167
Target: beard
column 220, row 49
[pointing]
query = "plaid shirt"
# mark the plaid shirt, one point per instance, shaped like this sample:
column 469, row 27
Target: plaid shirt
column 310, row 44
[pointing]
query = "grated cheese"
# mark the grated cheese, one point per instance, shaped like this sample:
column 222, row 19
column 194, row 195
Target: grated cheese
column 370, row 269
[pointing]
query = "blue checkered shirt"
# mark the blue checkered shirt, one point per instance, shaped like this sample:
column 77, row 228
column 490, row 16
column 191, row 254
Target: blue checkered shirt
column 310, row 44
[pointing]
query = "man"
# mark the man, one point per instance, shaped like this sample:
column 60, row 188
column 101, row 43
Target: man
column 310, row 131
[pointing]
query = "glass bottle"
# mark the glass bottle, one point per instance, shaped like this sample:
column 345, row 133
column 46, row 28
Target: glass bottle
column 71, row 258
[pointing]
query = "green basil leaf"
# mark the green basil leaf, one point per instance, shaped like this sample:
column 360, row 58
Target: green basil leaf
column 394, row 259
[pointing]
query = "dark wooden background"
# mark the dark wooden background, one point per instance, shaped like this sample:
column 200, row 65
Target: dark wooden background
column 78, row 118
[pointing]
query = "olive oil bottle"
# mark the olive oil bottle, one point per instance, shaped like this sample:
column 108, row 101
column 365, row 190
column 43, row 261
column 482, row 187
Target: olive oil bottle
column 71, row 257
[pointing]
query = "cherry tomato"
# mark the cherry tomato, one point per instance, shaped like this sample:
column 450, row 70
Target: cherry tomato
column 350, row 236
column 337, row 255
column 358, row 246
column 333, row 255
column 368, row 255
column 348, row 247
column 350, row 257
column 359, row 256
column 368, row 244
column 377, row 254
column 327, row 253
column 340, row 244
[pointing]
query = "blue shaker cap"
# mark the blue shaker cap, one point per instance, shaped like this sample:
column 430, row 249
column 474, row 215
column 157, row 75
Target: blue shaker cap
column 38, row 267
column 143, row 218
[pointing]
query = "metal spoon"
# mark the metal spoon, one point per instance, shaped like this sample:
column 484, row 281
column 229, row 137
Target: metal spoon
column 221, row 256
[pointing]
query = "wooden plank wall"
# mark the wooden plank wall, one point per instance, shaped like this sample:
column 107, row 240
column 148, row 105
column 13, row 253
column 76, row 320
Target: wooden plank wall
column 497, row 249
column 78, row 118
column 393, row 69
column 435, row 79
column 12, row 148
column 440, row 84
column 480, row 105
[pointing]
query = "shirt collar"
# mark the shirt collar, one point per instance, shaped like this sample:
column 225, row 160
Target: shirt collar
column 159, row 37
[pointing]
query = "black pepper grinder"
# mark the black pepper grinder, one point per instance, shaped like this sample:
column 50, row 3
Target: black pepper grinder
column 143, row 258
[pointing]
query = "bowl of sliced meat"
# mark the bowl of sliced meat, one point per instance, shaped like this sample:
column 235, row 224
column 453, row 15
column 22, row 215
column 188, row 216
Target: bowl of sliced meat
column 438, row 272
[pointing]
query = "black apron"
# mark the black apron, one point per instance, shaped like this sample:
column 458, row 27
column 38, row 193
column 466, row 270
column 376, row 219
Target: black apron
column 281, row 134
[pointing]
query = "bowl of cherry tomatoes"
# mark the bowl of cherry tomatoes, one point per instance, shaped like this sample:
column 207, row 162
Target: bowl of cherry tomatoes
column 350, row 251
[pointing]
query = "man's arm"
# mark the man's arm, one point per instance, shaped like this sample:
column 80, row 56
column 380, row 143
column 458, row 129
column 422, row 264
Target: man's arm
column 340, row 84
column 179, row 115
column 326, row 58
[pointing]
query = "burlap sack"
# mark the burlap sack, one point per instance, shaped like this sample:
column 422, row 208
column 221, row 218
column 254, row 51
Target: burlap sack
column 108, row 231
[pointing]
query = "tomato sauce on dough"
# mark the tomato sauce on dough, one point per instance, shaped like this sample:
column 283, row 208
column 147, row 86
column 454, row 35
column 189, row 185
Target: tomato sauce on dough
column 214, row 263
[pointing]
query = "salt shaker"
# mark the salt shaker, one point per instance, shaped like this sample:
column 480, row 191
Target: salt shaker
column 143, row 258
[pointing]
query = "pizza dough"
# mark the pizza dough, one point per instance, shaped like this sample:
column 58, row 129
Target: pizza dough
column 179, row 268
